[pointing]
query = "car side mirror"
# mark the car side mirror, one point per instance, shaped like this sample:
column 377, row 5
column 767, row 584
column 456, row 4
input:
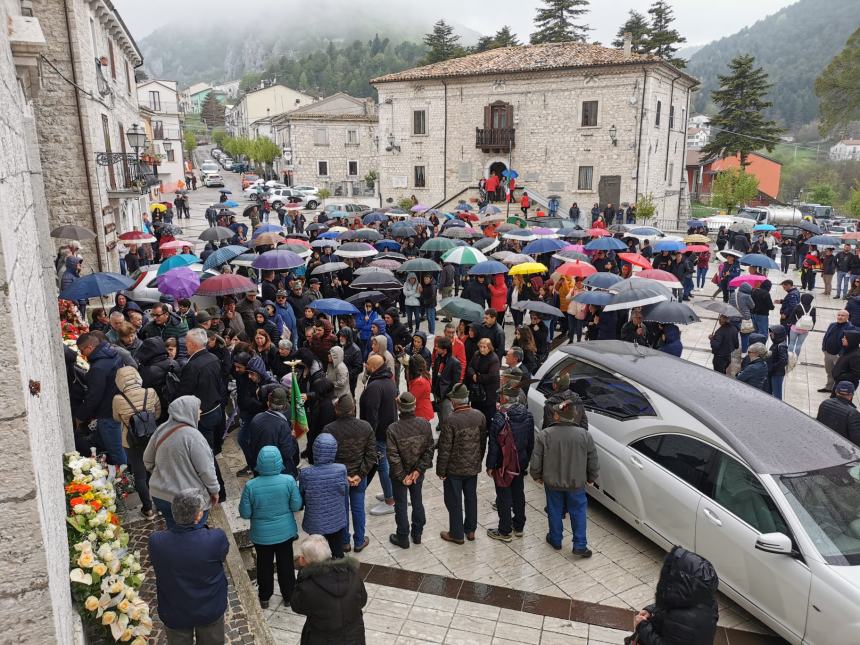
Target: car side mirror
column 774, row 543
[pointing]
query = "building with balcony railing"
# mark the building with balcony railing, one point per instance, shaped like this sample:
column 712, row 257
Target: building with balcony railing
column 160, row 99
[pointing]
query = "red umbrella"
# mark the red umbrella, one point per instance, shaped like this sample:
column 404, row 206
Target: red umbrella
column 597, row 232
column 225, row 285
column 697, row 248
column 137, row 236
column 576, row 269
column 636, row 260
column 657, row 274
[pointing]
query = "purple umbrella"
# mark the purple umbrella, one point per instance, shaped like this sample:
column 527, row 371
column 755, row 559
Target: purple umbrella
column 181, row 282
column 419, row 208
column 278, row 260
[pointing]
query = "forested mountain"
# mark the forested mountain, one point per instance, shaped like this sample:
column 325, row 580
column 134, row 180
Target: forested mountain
column 793, row 46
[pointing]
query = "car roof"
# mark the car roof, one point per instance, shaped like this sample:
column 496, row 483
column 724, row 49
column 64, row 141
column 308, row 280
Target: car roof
column 773, row 437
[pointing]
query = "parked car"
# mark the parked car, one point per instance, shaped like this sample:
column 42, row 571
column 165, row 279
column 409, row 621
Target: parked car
column 689, row 456
column 307, row 190
column 642, row 233
column 248, row 178
column 145, row 291
column 208, row 167
column 212, row 179
column 226, row 163
column 348, row 208
column 278, row 196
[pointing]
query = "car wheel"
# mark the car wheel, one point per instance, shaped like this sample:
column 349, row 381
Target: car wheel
column 312, row 205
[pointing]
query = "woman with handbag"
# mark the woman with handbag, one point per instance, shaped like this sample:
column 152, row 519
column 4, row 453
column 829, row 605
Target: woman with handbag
column 742, row 300
column 483, row 379
column 800, row 323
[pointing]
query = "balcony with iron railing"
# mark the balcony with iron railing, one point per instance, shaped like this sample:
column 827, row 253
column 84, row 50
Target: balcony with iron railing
column 495, row 138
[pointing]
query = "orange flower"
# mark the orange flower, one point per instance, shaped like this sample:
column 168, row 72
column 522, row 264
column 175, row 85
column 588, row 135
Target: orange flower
column 113, row 519
column 76, row 500
column 74, row 488
column 96, row 504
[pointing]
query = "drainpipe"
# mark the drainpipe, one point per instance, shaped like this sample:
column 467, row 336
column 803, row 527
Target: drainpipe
column 86, row 152
column 445, row 147
column 639, row 143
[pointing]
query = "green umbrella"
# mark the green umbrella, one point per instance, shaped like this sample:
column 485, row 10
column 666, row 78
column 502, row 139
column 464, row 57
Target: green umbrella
column 462, row 308
column 417, row 265
column 465, row 255
column 440, row 244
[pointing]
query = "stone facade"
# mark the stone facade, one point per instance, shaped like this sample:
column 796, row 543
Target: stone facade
column 552, row 150
column 162, row 99
column 35, row 603
column 76, row 124
column 260, row 104
column 330, row 144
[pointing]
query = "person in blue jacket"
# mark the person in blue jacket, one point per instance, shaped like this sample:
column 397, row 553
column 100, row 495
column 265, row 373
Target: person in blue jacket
column 379, row 328
column 672, row 340
column 269, row 501
column 188, row 560
column 363, row 321
column 285, row 311
column 324, row 488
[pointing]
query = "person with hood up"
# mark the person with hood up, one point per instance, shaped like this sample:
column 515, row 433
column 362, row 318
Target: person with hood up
column 356, row 449
column 134, row 398
column 777, row 361
column 272, row 428
column 799, row 323
column 418, row 346
column 154, row 366
column 742, row 300
column 179, row 458
column 762, row 306
column 249, row 373
column 269, row 501
column 323, row 340
column 476, row 290
column 724, row 341
column 104, row 363
column 379, row 328
column 263, row 323
column 330, row 593
column 318, row 395
column 410, row 454
column 510, row 495
column 847, row 367
column 337, row 372
column 73, row 264
column 831, row 346
column 273, row 316
column 363, row 322
column 754, row 373
column 498, row 291
column 671, row 340
column 685, row 606
column 324, row 488
column 840, row 414
column 447, row 372
column 412, row 301
column 418, row 384
column 377, row 407
column 377, row 346
column 351, row 356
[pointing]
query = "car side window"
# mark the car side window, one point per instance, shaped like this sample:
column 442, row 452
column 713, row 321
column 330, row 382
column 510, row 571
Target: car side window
column 739, row 491
column 600, row 390
column 688, row 458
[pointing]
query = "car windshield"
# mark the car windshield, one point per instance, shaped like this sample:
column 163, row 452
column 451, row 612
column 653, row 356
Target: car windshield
column 751, row 214
column 827, row 503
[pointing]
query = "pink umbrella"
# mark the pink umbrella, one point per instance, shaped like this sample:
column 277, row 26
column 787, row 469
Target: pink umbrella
column 419, row 208
column 657, row 274
column 391, row 265
column 579, row 248
column 748, row 278
column 176, row 244
column 543, row 232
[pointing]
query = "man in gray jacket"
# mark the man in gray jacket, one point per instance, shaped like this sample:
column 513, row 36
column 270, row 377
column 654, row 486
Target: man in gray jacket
column 564, row 462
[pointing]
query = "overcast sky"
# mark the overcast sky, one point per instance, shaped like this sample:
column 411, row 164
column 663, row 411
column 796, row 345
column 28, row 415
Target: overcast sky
column 701, row 21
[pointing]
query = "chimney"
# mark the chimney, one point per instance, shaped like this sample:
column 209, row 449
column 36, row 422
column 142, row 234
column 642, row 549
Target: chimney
column 628, row 45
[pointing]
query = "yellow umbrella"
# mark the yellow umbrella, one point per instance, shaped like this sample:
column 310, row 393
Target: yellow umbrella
column 157, row 207
column 528, row 267
column 697, row 239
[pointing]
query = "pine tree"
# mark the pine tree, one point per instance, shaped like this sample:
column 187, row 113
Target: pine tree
column 741, row 127
column 212, row 111
column 661, row 40
column 555, row 22
column 443, row 43
column 838, row 88
column 502, row 38
column 637, row 26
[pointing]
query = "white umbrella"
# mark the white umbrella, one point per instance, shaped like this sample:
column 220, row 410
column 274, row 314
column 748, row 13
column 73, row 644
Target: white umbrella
column 634, row 297
column 356, row 250
column 464, row 255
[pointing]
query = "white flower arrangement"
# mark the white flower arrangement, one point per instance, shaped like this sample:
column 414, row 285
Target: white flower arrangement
column 105, row 576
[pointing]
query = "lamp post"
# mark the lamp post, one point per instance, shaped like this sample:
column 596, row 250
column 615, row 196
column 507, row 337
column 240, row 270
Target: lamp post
column 136, row 140
column 613, row 135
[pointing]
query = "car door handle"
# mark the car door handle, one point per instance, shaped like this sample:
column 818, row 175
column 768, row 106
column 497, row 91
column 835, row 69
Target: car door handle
column 636, row 462
column 712, row 517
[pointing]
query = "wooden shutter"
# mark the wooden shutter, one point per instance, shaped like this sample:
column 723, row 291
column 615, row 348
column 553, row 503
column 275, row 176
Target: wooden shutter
column 488, row 116
column 510, row 115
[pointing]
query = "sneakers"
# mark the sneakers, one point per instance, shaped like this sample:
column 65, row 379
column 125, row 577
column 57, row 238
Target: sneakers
column 518, row 533
column 582, row 553
column 150, row 514
column 361, row 547
column 557, row 547
column 396, row 540
column 382, row 509
column 494, row 534
column 380, row 497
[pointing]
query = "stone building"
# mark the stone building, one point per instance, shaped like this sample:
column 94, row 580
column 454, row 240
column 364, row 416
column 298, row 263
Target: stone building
column 87, row 105
column 846, row 150
column 585, row 122
column 260, row 104
column 35, row 603
column 162, row 99
column 331, row 144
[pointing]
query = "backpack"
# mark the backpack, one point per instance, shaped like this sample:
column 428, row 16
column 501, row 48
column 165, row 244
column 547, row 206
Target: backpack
column 141, row 424
column 170, row 389
column 805, row 322
column 510, row 467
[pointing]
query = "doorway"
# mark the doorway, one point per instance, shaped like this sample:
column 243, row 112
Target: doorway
column 609, row 190
column 497, row 168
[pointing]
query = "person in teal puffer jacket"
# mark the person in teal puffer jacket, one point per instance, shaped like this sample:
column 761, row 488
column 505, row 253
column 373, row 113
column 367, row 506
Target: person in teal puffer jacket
column 269, row 501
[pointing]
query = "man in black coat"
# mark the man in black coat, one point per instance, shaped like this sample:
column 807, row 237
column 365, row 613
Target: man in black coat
column 446, row 374
column 104, row 362
column 831, row 346
column 299, row 299
column 840, row 414
column 493, row 331
column 847, row 368
column 724, row 341
column 378, row 407
column 272, row 428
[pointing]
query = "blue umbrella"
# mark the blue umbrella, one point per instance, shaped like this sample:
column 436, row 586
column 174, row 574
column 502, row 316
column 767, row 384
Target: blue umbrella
column 387, row 245
column 696, row 223
column 267, row 228
column 491, row 210
column 601, row 280
column 181, row 260
column 510, row 174
column 230, row 204
column 329, row 235
column 764, row 227
column 544, row 245
column 607, row 244
column 225, row 191
column 490, row 267
column 462, row 206
column 372, row 218
column 758, row 260
column 322, row 243
column 598, row 298
column 824, row 240
column 223, row 255
column 668, row 245
column 95, row 285
column 453, row 223
column 334, row 307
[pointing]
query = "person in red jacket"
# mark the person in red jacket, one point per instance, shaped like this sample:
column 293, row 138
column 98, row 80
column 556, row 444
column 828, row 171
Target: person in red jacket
column 498, row 295
column 458, row 349
column 525, row 203
column 419, row 386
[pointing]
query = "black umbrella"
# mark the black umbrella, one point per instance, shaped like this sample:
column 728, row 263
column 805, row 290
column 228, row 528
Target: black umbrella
column 676, row 313
column 378, row 280
column 73, row 232
column 722, row 308
column 538, row 307
column 316, row 226
column 391, row 255
column 366, row 296
column 809, row 226
column 216, row 234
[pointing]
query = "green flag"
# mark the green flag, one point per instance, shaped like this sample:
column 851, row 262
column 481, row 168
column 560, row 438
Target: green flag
column 297, row 409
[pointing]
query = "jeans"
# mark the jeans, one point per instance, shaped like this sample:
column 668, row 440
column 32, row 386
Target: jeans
column 356, row 505
column 843, row 283
column 574, row 328
column 211, row 634
column 138, row 471
column 795, row 341
column 776, row 385
column 784, row 263
column 382, row 467
column 517, row 316
column 110, row 437
column 511, row 499
column 760, row 321
column 401, row 509
column 461, row 493
column 701, row 276
column 163, row 507
column 430, row 312
column 413, row 313
column 267, row 554
column 576, row 503
column 688, row 287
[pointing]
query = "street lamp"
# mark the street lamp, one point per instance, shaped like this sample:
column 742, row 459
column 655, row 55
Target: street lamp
column 613, row 134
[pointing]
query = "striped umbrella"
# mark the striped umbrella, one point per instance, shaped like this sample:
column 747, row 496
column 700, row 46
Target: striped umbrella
column 464, row 255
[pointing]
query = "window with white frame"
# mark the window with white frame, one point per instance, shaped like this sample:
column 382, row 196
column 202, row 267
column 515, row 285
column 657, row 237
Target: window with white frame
column 420, row 179
column 589, row 114
column 419, row 122
column 321, row 137
column 352, row 137
column 322, row 168
column 586, row 178
column 352, row 168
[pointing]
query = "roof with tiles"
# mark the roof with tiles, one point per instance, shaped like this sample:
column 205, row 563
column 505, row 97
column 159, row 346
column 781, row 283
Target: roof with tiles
column 525, row 58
